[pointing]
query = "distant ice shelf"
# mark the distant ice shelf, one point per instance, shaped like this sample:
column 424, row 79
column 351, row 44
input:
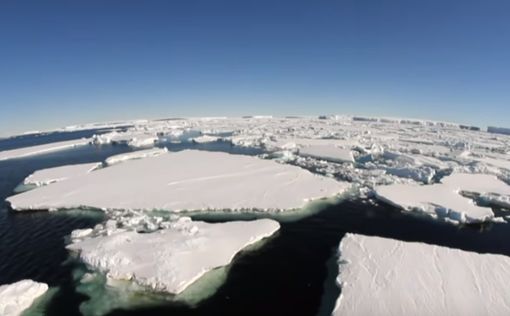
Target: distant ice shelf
column 42, row 149
column 187, row 180
column 17, row 297
column 380, row 276
column 171, row 259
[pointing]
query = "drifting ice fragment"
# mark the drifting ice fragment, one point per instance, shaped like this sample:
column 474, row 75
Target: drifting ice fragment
column 17, row 297
column 171, row 259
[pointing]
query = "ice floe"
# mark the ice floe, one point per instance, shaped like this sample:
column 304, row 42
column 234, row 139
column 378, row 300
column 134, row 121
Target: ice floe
column 50, row 175
column 445, row 199
column 153, row 152
column 187, row 180
column 169, row 260
column 42, row 149
column 17, row 297
column 380, row 276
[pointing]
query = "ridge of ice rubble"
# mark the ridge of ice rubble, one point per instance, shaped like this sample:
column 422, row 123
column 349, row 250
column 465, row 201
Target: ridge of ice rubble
column 185, row 180
column 42, row 149
column 17, row 297
column 380, row 276
column 171, row 259
column 56, row 174
column 445, row 199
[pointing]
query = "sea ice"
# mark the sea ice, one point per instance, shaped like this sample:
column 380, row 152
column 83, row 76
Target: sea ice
column 445, row 199
column 380, row 276
column 42, row 149
column 169, row 260
column 186, row 180
column 50, row 175
column 327, row 152
column 153, row 152
column 17, row 297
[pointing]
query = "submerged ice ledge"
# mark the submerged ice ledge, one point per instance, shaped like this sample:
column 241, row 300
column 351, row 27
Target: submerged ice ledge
column 187, row 180
column 17, row 297
column 171, row 259
column 380, row 276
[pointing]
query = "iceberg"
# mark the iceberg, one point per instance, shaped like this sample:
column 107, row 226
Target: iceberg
column 171, row 259
column 17, row 297
column 380, row 276
column 188, row 180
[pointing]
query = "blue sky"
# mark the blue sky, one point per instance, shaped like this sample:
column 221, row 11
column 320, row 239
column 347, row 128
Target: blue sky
column 66, row 62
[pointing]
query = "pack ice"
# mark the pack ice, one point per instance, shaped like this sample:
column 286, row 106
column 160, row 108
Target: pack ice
column 186, row 180
column 169, row 260
column 17, row 297
column 380, row 276
column 50, row 175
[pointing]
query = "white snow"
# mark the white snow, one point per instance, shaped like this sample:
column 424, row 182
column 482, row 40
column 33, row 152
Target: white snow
column 42, row 149
column 171, row 259
column 17, row 297
column 186, row 180
column 153, row 152
column 327, row 152
column 444, row 199
column 380, row 276
column 50, row 175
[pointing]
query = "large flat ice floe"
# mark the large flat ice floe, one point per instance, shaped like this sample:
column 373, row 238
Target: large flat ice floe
column 17, row 297
column 445, row 199
column 382, row 276
column 169, row 260
column 186, row 180
column 42, row 149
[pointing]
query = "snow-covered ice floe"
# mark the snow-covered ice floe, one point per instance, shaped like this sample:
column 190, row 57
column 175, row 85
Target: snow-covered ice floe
column 380, row 276
column 17, row 297
column 187, row 180
column 153, row 152
column 169, row 260
column 445, row 199
column 50, row 175
column 42, row 149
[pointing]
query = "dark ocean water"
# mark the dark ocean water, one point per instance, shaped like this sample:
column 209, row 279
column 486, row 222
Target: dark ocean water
column 292, row 274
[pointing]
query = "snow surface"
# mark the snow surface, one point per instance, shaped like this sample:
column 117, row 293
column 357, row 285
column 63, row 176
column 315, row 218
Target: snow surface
column 17, row 297
column 42, row 149
column 50, row 175
column 445, row 200
column 153, row 152
column 186, row 180
column 171, row 259
column 380, row 276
